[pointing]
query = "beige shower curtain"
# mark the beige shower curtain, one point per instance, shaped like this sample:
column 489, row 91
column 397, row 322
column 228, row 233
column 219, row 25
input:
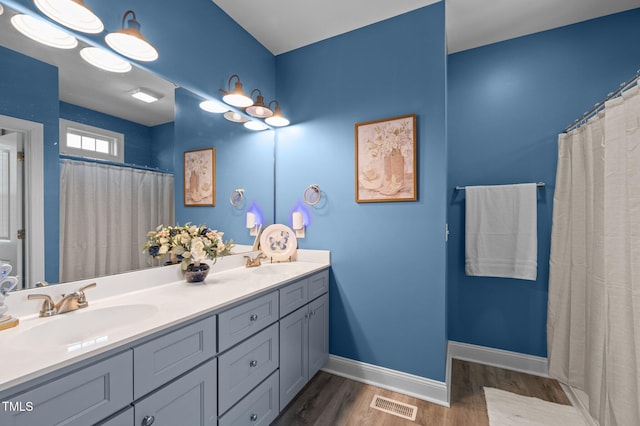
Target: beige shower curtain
column 105, row 214
column 593, row 323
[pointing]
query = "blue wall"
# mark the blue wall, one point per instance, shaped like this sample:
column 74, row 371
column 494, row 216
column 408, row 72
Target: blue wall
column 388, row 259
column 29, row 91
column 244, row 159
column 162, row 146
column 507, row 102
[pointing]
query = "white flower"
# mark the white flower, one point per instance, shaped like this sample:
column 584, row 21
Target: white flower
column 197, row 250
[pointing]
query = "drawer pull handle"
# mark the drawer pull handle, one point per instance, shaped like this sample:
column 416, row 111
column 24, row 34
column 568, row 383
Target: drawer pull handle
column 253, row 363
column 148, row 420
column 254, row 417
column 253, row 317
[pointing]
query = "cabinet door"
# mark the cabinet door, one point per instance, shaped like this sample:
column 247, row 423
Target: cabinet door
column 190, row 400
column 318, row 334
column 82, row 397
column 294, row 359
column 123, row 419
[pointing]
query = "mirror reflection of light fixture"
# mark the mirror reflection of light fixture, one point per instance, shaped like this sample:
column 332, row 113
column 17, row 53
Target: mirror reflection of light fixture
column 259, row 109
column 130, row 42
column 1, row 9
column 213, row 106
column 255, row 125
column 235, row 117
column 237, row 98
column 73, row 14
column 145, row 95
column 100, row 58
column 43, row 32
column 277, row 119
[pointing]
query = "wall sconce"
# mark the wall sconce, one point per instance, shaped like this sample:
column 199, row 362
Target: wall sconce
column 297, row 220
column 255, row 125
column 130, row 42
column 252, row 224
column 277, row 119
column 73, row 14
column 259, row 109
column 237, row 98
column 213, row 106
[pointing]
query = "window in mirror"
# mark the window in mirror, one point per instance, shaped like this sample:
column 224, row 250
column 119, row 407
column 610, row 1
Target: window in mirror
column 81, row 140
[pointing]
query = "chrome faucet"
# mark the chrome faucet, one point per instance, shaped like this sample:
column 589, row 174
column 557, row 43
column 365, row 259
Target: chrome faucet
column 70, row 302
column 251, row 263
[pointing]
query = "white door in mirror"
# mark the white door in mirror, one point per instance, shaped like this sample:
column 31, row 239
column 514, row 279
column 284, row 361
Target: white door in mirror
column 10, row 207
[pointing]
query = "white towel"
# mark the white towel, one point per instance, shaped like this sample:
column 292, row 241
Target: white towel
column 501, row 231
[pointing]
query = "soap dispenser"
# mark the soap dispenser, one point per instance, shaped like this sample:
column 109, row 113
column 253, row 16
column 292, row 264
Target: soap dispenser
column 7, row 284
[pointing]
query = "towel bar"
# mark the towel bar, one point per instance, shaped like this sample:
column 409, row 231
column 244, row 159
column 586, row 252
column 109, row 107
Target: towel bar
column 462, row 188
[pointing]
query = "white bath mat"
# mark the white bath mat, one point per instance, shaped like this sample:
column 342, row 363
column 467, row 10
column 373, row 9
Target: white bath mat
column 508, row 409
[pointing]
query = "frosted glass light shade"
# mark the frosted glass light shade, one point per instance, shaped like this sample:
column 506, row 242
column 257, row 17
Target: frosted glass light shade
column 237, row 97
column 43, row 32
column 235, row 117
column 255, row 125
column 105, row 60
column 73, row 14
column 277, row 119
column 213, row 106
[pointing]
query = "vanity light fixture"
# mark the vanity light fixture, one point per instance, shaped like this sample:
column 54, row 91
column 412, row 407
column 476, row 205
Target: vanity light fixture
column 277, row 119
column 235, row 117
column 213, row 106
column 237, row 98
column 73, row 14
column 255, row 125
column 105, row 60
column 145, row 95
column 130, row 42
column 43, row 32
column 259, row 109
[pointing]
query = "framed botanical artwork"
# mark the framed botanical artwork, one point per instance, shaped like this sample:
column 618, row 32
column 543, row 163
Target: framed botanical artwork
column 386, row 160
column 200, row 177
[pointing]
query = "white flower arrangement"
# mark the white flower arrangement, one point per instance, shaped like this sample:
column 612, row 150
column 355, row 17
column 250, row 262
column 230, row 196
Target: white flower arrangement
column 189, row 244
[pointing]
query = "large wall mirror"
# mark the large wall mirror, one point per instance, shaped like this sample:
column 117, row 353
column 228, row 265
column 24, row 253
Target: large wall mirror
column 156, row 136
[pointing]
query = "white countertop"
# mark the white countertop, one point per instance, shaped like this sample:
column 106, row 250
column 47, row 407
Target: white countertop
column 41, row 345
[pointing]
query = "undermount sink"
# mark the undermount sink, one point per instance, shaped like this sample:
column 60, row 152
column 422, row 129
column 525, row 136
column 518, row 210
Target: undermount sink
column 277, row 268
column 82, row 328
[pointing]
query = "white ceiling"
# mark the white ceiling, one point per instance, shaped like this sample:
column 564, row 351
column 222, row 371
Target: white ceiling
column 284, row 25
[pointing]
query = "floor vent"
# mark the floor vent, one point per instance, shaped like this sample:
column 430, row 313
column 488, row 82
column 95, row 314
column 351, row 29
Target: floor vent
column 394, row 407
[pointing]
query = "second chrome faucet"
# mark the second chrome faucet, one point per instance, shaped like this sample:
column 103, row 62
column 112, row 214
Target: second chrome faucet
column 68, row 303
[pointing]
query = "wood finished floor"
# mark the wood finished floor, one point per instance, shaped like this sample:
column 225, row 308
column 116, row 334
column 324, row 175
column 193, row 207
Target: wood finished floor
column 330, row 400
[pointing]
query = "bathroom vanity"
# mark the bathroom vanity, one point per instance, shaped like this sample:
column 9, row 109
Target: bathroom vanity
column 233, row 350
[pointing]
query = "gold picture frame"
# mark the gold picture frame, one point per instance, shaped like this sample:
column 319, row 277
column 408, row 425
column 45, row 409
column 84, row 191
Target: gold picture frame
column 200, row 177
column 386, row 160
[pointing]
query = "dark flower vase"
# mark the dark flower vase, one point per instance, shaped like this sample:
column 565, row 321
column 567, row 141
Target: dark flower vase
column 196, row 273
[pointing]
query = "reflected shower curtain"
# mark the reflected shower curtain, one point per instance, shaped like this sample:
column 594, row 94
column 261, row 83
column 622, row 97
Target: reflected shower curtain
column 593, row 323
column 105, row 214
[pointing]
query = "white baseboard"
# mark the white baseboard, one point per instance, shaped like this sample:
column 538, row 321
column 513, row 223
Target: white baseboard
column 397, row 381
column 497, row 357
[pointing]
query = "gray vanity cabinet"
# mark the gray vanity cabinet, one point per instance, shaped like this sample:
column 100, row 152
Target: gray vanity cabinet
column 189, row 400
column 124, row 418
column 304, row 336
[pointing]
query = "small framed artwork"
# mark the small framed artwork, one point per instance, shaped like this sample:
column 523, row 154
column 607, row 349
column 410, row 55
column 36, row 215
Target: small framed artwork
column 200, row 177
column 386, row 160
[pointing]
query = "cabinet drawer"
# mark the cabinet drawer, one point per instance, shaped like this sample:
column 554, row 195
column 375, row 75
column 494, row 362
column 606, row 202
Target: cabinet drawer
column 259, row 408
column 293, row 296
column 189, row 400
column 246, row 365
column 166, row 357
column 318, row 284
column 240, row 322
column 80, row 398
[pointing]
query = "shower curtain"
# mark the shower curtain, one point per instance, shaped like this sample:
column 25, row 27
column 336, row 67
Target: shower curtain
column 593, row 323
column 105, row 214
